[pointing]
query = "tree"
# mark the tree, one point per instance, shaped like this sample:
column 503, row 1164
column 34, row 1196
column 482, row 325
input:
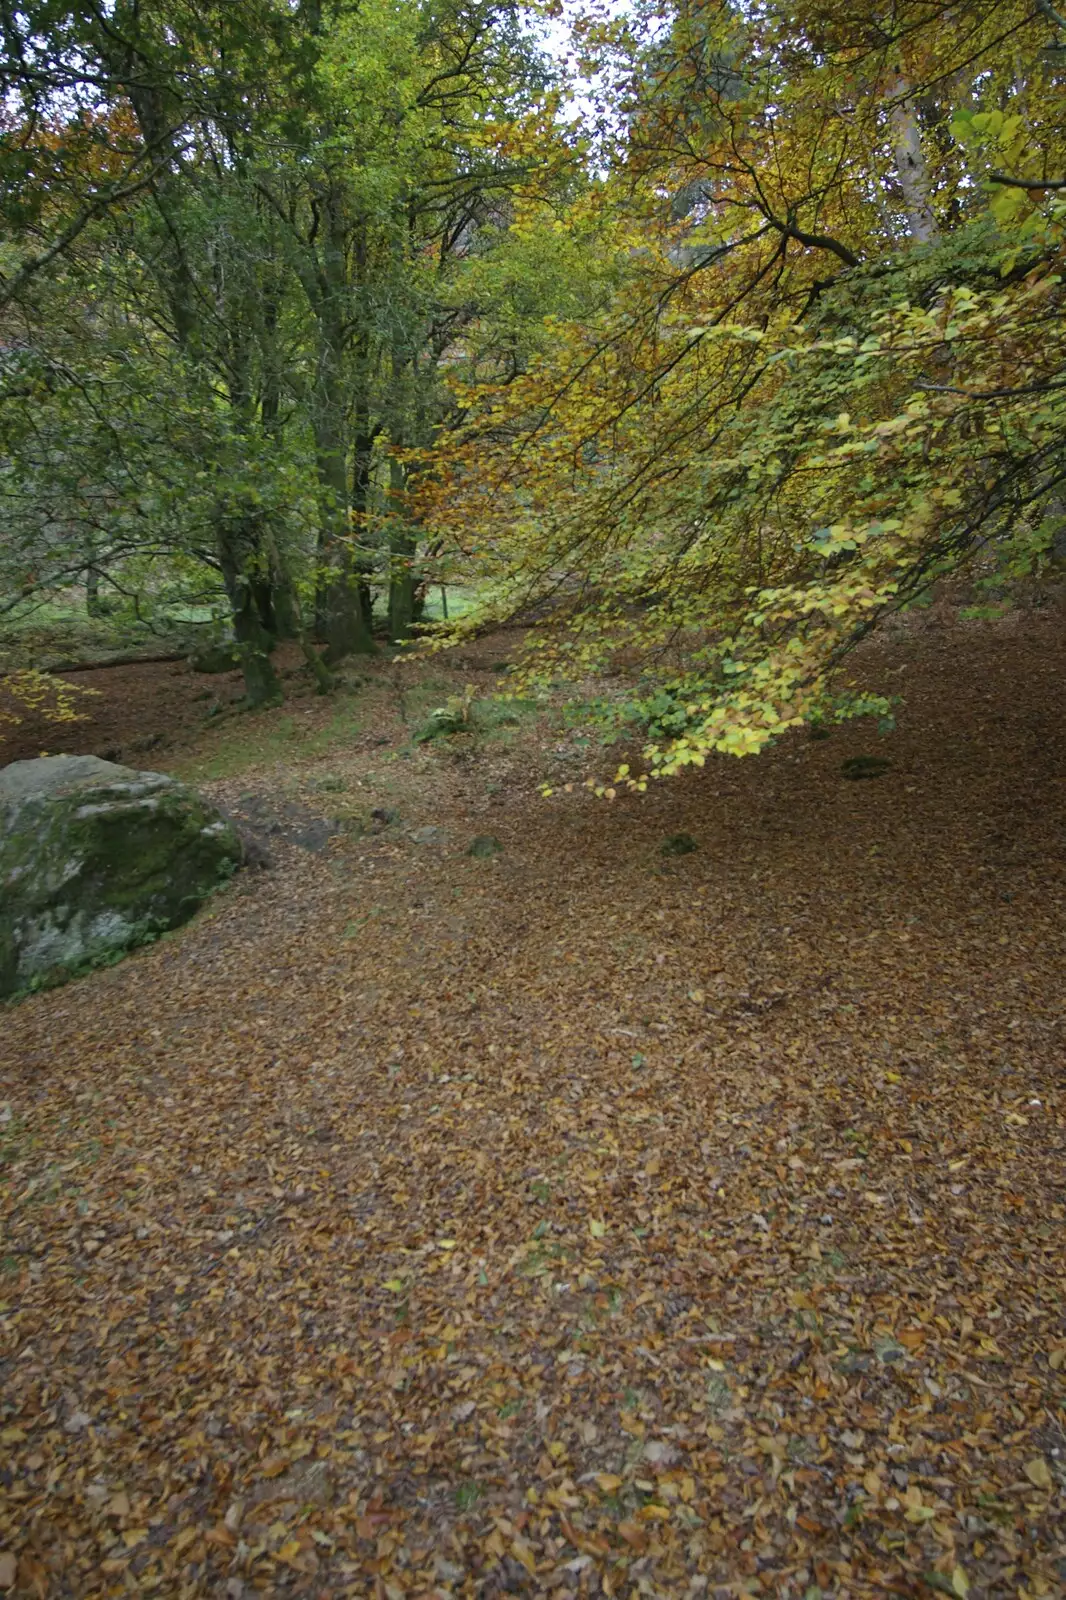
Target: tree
column 204, row 364
column 833, row 373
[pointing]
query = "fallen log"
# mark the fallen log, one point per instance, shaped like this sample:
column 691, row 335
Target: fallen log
column 132, row 659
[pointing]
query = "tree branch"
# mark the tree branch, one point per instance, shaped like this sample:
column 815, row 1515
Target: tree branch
column 815, row 241
column 94, row 208
column 1026, row 183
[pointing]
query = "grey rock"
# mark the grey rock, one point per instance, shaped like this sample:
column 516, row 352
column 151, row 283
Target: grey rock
column 428, row 835
column 96, row 858
column 259, row 819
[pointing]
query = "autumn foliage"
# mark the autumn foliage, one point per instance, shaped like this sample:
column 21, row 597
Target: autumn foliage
column 831, row 376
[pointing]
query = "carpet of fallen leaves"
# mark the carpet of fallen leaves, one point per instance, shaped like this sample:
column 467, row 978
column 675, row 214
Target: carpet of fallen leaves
column 125, row 712
column 579, row 1220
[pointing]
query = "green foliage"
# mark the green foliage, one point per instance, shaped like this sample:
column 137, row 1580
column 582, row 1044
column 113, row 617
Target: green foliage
column 229, row 288
column 464, row 714
column 678, row 844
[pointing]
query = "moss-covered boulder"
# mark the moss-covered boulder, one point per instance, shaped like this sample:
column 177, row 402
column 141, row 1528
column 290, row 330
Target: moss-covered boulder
column 96, row 858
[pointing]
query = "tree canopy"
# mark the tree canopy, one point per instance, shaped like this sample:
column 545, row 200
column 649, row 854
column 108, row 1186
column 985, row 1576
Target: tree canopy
column 832, row 372
column 301, row 300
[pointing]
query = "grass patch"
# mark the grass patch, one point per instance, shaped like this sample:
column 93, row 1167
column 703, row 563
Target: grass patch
column 485, row 719
column 460, row 601
column 57, row 630
column 270, row 737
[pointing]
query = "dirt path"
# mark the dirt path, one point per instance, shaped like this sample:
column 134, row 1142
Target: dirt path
column 577, row 1221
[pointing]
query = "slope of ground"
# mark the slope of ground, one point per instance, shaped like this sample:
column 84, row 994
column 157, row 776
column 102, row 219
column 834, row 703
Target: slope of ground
column 579, row 1220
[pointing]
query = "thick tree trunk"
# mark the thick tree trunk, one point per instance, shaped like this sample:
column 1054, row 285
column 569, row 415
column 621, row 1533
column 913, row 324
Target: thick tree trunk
column 286, row 625
column 261, row 683
column 340, row 612
column 342, row 620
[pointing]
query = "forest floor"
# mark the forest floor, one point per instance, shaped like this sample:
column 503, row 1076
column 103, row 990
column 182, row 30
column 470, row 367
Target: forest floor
column 576, row 1220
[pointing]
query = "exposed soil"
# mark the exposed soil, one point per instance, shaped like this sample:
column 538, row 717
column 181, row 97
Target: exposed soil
column 582, row 1220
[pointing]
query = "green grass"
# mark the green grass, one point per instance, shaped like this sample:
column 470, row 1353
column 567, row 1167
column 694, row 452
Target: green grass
column 467, row 1496
column 63, row 630
column 269, row 737
column 485, row 719
column 460, row 601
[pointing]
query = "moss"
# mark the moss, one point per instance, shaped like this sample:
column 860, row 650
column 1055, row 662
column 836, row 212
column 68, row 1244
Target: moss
column 86, row 874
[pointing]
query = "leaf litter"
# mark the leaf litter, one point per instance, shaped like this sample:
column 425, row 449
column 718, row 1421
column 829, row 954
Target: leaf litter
column 573, row 1221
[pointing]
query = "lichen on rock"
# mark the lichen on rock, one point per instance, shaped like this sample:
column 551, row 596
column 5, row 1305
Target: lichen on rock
column 96, row 858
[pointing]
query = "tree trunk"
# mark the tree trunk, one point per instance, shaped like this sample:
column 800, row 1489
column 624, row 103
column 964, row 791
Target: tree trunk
column 343, row 618
column 340, row 610
column 261, row 683
column 403, row 543
column 911, row 168
column 362, row 461
column 94, row 606
column 286, row 625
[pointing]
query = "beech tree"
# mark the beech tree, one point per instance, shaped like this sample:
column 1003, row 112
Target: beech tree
column 233, row 239
column 833, row 373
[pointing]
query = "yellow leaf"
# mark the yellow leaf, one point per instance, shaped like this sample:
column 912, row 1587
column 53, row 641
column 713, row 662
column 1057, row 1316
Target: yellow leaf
column 395, row 1284
column 523, row 1552
column 11, row 1436
column 597, row 1228
column 608, row 1482
column 1037, row 1472
column 916, row 1511
column 960, row 1583
column 1056, row 1358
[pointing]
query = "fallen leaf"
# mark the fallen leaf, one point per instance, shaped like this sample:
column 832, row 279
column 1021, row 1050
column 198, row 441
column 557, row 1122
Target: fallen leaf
column 1037, row 1472
column 522, row 1551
